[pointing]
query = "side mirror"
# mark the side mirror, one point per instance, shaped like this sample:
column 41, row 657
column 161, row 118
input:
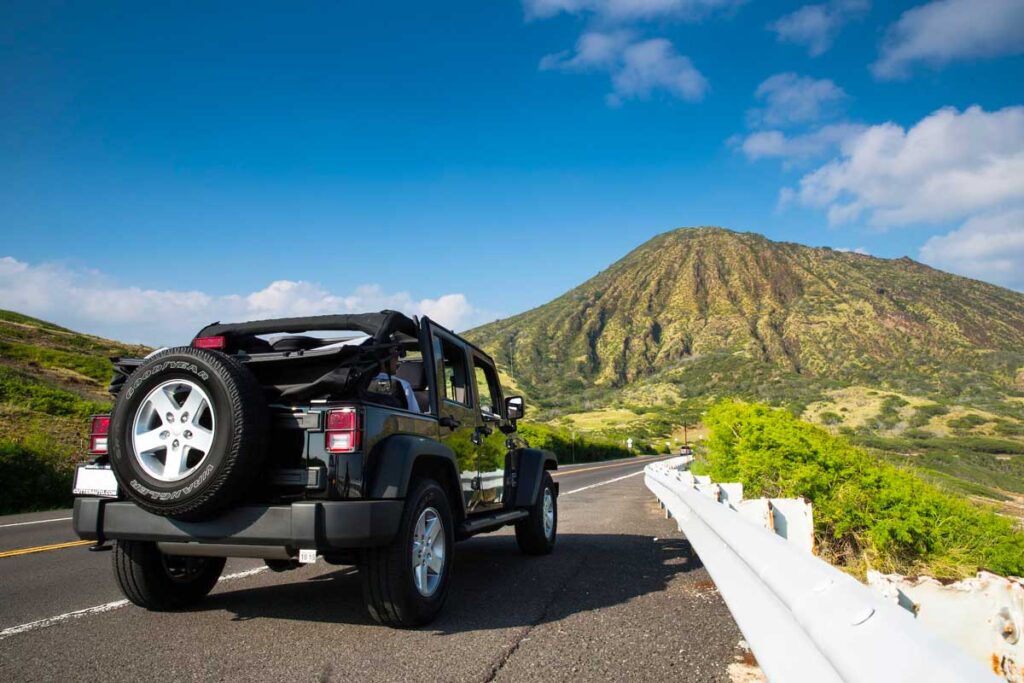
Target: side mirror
column 515, row 408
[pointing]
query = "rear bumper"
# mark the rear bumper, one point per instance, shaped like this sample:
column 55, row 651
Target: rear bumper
column 324, row 526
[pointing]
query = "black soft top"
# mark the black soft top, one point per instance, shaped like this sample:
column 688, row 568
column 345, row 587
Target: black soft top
column 383, row 326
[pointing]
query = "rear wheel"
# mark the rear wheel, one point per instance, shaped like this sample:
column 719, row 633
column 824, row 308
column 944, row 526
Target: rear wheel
column 405, row 583
column 156, row 581
column 536, row 533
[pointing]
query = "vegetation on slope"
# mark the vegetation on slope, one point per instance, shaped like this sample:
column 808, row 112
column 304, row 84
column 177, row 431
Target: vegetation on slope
column 721, row 313
column 581, row 447
column 867, row 513
column 51, row 381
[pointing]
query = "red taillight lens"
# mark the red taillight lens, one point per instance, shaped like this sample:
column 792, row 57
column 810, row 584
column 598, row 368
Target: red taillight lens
column 210, row 342
column 98, row 434
column 342, row 433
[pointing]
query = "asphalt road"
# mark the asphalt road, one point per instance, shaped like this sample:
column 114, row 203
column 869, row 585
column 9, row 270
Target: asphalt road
column 622, row 597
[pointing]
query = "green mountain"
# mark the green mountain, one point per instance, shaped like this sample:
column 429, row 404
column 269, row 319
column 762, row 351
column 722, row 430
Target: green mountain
column 51, row 381
column 716, row 311
column 880, row 349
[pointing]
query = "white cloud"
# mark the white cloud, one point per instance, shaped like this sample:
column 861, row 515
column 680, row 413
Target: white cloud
column 950, row 165
column 626, row 10
column 816, row 26
column 988, row 247
column 855, row 250
column 775, row 144
column 91, row 302
column 943, row 31
column 654, row 65
column 594, row 50
column 638, row 69
column 791, row 99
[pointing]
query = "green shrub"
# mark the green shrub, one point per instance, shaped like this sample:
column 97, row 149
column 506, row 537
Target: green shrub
column 888, row 414
column 33, row 476
column 1007, row 428
column 93, row 366
column 830, row 418
column 18, row 389
column 867, row 513
column 967, row 422
column 586, row 448
column 923, row 414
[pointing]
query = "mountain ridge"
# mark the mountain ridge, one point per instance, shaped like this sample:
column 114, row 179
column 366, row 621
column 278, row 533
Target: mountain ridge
column 795, row 311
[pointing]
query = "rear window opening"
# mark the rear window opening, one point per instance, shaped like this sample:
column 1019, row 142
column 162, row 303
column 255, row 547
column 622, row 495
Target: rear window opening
column 312, row 340
column 335, row 363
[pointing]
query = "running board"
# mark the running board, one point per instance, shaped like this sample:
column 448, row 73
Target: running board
column 476, row 525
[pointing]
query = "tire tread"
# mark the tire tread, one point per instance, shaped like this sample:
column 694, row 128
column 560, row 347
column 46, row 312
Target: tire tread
column 530, row 531
column 143, row 580
column 382, row 570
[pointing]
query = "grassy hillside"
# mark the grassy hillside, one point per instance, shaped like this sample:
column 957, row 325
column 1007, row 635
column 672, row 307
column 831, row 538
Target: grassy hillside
column 926, row 365
column 51, row 381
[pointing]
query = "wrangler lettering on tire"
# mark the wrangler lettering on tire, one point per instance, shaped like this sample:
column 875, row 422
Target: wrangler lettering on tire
column 188, row 433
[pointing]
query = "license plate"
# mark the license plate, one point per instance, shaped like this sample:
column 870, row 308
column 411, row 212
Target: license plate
column 95, row 480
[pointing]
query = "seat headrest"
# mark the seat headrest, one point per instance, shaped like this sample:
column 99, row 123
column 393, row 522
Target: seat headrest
column 412, row 372
column 296, row 343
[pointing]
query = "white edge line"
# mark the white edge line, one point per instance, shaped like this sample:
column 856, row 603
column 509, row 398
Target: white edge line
column 38, row 521
column 600, row 483
column 98, row 609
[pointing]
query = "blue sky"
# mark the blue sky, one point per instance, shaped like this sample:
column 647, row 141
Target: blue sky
column 474, row 159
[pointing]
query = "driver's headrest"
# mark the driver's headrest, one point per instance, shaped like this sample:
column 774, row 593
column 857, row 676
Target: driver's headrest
column 296, row 343
column 412, row 372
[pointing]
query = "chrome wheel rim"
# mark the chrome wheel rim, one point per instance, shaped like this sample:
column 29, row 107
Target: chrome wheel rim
column 173, row 430
column 428, row 550
column 549, row 514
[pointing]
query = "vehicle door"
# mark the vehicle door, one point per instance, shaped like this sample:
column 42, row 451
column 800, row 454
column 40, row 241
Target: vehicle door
column 457, row 418
column 492, row 453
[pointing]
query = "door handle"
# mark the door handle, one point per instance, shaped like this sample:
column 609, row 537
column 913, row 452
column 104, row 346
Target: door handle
column 450, row 422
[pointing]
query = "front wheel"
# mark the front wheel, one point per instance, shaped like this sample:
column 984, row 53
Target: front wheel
column 405, row 583
column 160, row 582
column 536, row 533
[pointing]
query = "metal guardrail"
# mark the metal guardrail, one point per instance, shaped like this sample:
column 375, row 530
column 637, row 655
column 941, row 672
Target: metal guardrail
column 804, row 619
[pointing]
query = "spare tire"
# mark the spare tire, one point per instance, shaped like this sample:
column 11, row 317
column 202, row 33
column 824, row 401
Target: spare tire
column 188, row 433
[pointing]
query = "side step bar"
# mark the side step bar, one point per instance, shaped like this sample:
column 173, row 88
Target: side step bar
column 476, row 525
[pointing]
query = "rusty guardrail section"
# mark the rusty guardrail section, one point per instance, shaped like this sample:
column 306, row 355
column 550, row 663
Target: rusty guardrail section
column 804, row 619
column 982, row 614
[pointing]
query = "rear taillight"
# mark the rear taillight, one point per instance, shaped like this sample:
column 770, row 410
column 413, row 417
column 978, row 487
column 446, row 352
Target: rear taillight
column 342, row 432
column 98, row 434
column 210, row 342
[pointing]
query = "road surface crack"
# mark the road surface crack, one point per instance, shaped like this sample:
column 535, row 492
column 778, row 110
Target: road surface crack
column 525, row 633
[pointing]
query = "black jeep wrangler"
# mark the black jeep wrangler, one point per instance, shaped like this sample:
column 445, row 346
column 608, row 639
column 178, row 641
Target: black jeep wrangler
column 380, row 444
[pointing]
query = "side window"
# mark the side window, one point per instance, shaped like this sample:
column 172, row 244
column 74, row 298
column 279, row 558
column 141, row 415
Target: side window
column 453, row 362
column 487, row 387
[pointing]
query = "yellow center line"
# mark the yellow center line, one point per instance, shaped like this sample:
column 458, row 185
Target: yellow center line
column 558, row 473
column 43, row 548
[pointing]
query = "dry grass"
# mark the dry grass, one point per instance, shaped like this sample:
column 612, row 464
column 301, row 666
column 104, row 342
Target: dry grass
column 598, row 420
